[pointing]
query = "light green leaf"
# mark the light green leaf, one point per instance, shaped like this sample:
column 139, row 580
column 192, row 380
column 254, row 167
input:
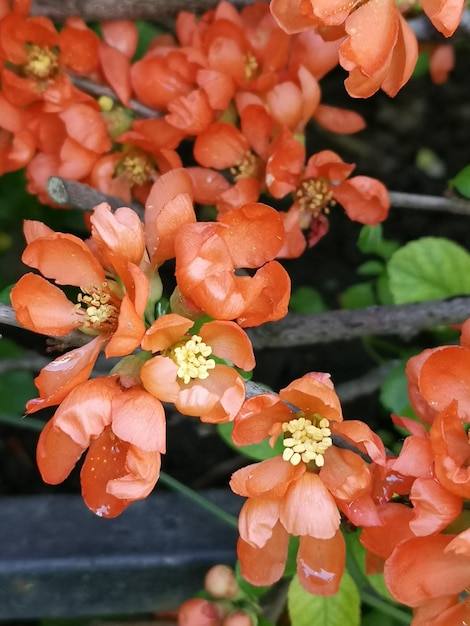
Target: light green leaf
column 461, row 181
column 307, row 300
column 370, row 268
column 371, row 242
column 427, row 269
column 394, row 390
column 306, row 609
column 358, row 296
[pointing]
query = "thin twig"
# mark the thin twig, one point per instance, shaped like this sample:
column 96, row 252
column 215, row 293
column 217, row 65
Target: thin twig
column 406, row 320
column 84, row 197
column 96, row 89
column 429, row 203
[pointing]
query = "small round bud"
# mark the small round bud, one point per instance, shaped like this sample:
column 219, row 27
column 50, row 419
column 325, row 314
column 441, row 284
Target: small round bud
column 238, row 618
column 198, row 612
column 220, row 582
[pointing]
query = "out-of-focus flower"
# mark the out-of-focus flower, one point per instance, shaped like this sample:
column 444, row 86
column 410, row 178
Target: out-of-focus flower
column 184, row 370
column 123, row 430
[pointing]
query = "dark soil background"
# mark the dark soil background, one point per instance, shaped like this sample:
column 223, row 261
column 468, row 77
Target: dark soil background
column 423, row 116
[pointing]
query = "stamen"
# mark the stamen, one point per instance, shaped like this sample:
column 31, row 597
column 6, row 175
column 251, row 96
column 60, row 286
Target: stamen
column 42, row 62
column 249, row 166
column 251, row 66
column 99, row 311
column 190, row 355
column 137, row 166
column 315, row 195
column 306, row 440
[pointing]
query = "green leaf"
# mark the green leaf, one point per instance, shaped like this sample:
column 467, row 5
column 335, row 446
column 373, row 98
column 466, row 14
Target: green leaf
column 16, row 388
column 427, row 269
column 257, row 451
column 5, row 295
column 394, row 390
column 307, row 300
column 306, row 609
column 146, row 32
column 461, row 181
column 370, row 268
column 371, row 242
column 358, row 296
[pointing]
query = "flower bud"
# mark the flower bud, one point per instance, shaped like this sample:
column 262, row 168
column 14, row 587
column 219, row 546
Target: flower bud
column 220, row 582
column 198, row 612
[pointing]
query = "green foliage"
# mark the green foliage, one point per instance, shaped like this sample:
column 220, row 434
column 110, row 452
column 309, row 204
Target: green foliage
column 371, row 241
column 394, row 391
column 147, row 32
column 461, row 181
column 358, row 296
column 16, row 388
column 307, row 300
column 257, row 451
column 429, row 268
column 306, row 609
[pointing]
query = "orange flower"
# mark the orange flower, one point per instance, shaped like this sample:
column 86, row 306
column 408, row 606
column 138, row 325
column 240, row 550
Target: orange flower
column 124, row 432
column 185, row 372
column 115, row 53
column 110, row 303
column 207, row 255
column 17, row 143
column 37, row 57
column 297, row 493
column 323, row 183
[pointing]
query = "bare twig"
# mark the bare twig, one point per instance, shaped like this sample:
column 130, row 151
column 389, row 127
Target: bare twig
column 429, row 203
column 96, row 89
column 84, row 197
column 297, row 329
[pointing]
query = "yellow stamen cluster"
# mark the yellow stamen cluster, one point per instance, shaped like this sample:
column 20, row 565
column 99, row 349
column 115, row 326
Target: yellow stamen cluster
column 249, row 166
column 315, row 195
column 138, row 167
column 251, row 66
column 190, row 355
column 42, row 62
column 99, row 311
column 306, row 440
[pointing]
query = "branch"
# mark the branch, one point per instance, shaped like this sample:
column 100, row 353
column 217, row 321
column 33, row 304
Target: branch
column 429, row 203
column 298, row 329
column 84, row 197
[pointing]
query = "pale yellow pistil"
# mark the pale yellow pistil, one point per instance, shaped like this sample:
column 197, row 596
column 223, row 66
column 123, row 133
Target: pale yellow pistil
column 251, row 66
column 99, row 311
column 42, row 62
column 190, row 355
column 306, row 440
column 315, row 195
column 249, row 166
column 138, row 167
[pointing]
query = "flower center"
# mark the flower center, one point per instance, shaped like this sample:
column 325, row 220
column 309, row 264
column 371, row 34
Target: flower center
column 306, row 440
column 248, row 167
column 42, row 62
column 251, row 66
column 100, row 312
column 137, row 166
column 190, row 355
column 315, row 195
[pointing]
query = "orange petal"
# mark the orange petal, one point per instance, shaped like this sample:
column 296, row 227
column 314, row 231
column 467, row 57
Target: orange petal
column 165, row 331
column 42, row 307
column 53, row 466
column 228, row 341
column 47, row 255
column 143, row 471
column 308, row 508
column 256, row 418
column 139, row 419
column 257, row 519
column 129, row 332
column 345, row 474
column 269, row 478
column 220, row 146
column 159, row 378
column 338, row 120
column 313, row 396
column 268, row 298
column 119, row 233
column 320, row 564
column 264, row 566
column 433, row 505
column 58, row 378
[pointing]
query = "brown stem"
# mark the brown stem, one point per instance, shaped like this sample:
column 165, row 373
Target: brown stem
column 429, row 203
column 84, row 197
column 298, row 329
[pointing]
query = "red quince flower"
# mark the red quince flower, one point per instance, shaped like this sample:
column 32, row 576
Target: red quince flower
column 323, row 183
column 124, row 432
column 185, row 372
column 36, row 58
column 207, row 255
column 115, row 52
column 17, row 143
column 297, row 493
column 110, row 304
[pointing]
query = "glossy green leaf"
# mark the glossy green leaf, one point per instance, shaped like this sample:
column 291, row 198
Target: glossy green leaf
column 427, row 269
column 306, row 609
